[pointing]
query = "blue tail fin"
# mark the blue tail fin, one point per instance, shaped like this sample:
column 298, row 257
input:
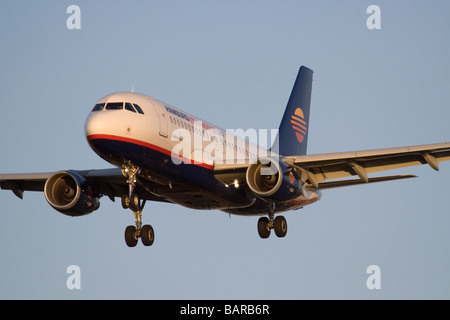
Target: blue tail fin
column 293, row 132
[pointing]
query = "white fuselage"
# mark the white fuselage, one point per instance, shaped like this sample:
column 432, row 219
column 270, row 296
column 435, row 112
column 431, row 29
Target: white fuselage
column 153, row 131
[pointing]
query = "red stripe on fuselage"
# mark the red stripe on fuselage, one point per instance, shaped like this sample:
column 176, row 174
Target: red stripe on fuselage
column 147, row 145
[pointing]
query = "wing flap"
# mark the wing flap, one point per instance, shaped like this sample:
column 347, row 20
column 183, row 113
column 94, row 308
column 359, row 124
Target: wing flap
column 352, row 182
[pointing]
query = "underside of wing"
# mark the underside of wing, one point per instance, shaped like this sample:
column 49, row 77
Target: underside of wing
column 352, row 182
column 20, row 182
column 108, row 182
column 316, row 169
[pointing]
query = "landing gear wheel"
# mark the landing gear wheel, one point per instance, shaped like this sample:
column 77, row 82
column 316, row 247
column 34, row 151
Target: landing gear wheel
column 147, row 235
column 130, row 236
column 134, row 202
column 263, row 227
column 280, row 226
column 125, row 201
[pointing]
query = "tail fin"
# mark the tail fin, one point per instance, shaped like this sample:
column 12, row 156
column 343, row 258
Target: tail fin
column 292, row 135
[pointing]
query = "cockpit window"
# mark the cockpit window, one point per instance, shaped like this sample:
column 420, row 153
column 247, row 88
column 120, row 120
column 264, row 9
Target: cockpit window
column 129, row 107
column 118, row 106
column 114, row 106
column 138, row 108
column 99, row 106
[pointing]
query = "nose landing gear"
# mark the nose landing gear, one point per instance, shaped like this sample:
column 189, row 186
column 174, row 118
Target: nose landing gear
column 133, row 233
column 133, row 202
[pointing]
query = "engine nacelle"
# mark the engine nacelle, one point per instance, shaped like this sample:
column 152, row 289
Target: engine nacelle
column 71, row 194
column 273, row 180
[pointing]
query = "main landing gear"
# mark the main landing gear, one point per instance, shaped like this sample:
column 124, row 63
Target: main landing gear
column 265, row 225
column 133, row 202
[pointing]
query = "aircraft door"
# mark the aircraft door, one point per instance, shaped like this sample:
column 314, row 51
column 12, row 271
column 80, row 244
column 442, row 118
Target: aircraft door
column 163, row 119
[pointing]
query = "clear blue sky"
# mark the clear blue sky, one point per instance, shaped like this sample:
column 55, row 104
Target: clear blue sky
column 232, row 63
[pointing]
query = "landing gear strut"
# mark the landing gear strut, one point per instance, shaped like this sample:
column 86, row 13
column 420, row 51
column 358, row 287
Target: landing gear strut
column 265, row 225
column 133, row 202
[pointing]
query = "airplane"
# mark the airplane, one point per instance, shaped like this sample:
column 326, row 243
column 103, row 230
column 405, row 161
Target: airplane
column 161, row 153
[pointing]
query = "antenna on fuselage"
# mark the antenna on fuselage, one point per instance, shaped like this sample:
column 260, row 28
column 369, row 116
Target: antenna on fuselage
column 132, row 88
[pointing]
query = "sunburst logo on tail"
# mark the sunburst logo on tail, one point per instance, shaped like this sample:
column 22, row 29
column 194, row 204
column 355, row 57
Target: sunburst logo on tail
column 299, row 124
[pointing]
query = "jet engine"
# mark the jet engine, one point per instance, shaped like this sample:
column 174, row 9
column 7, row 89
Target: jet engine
column 71, row 194
column 273, row 180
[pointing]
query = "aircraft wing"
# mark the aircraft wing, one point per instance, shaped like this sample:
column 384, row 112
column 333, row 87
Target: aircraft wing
column 318, row 169
column 109, row 182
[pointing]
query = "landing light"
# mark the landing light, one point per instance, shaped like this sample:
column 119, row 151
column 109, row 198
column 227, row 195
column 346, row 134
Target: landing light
column 236, row 183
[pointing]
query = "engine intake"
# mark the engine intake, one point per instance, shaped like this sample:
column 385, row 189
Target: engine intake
column 273, row 180
column 71, row 194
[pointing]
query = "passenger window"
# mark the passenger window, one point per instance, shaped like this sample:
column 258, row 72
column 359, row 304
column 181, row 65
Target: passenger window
column 138, row 108
column 99, row 107
column 129, row 107
column 114, row 106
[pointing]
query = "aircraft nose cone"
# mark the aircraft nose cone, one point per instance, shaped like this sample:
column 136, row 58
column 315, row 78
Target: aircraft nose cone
column 92, row 125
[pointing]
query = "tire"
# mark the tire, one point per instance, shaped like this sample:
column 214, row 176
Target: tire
column 134, row 202
column 263, row 227
column 130, row 236
column 125, row 201
column 280, row 226
column 147, row 235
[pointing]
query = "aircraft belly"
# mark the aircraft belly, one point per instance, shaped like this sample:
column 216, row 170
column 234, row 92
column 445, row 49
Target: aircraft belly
column 260, row 207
